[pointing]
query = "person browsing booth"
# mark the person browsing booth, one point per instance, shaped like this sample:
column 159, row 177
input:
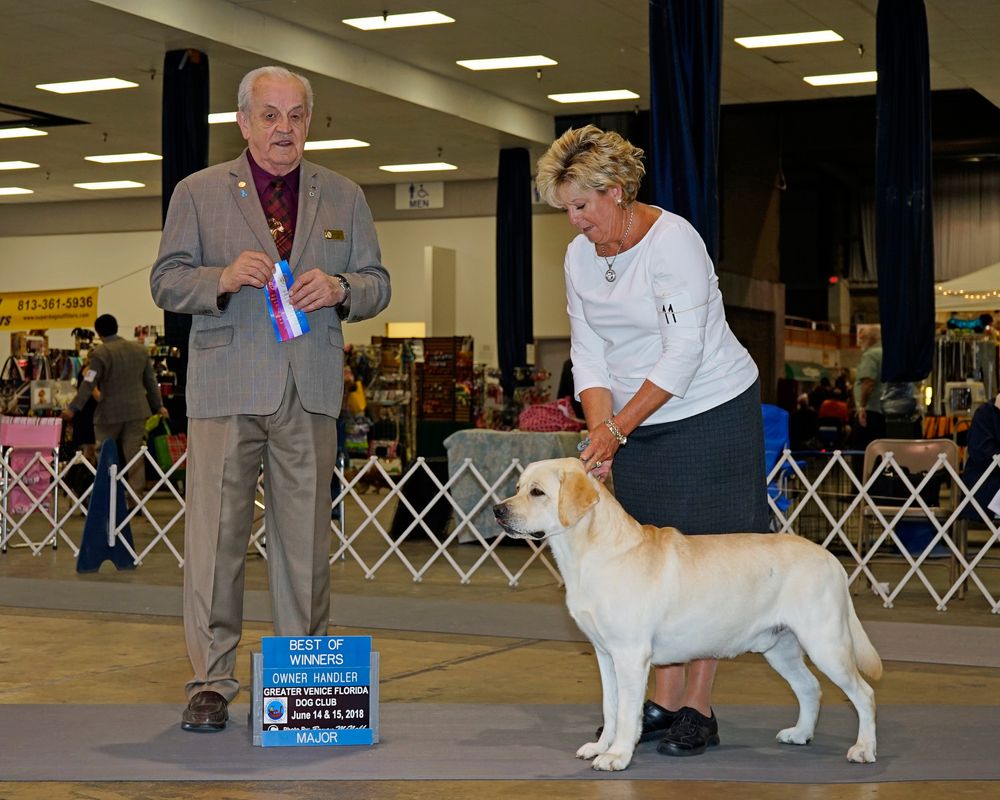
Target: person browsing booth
column 270, row 254
column 122, row 373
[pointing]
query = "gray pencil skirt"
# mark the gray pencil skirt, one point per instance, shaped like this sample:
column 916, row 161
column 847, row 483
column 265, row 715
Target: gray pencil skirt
column 704, row 474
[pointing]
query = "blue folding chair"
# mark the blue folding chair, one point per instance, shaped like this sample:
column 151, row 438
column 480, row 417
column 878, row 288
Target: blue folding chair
column 776, row 439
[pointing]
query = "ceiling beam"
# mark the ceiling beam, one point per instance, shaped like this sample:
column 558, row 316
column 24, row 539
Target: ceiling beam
column 284, row 42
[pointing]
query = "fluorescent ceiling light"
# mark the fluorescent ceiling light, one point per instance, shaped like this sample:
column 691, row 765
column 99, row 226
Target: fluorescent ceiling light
column 786, row 39
column 14, row 133
column 430, row 167
column 14, row 190
column 96, row 185
column 96, row 85
column 382, row 23
column 844, row 77
column 17, row 165
column 335, row 144
column 121, row 158
column 593, row 97
column 513, row 62
column 221, row 116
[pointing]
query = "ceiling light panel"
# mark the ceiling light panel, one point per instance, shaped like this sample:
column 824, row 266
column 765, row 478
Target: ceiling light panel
column 594, row 97
column 429, row 167
column 96, row 85
column 100, row 185
column 10, row 190
column 221, row 116
column 512, row 62
column 122, row 158
column 15, row 133
column 335, row 144
column 388, row 21
column 789, row 39
column 17, row 165
column 842, row 78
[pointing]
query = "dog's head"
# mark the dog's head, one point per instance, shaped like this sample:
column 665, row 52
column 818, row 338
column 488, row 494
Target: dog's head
column 551, row 496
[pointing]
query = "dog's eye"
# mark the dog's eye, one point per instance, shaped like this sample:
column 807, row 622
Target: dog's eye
column 537, row 493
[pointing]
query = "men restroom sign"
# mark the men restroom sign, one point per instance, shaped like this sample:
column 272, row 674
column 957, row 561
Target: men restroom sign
column 419, row 194
column 315, row 690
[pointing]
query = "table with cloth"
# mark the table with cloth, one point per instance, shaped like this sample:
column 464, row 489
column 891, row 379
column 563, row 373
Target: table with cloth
column 491, row 453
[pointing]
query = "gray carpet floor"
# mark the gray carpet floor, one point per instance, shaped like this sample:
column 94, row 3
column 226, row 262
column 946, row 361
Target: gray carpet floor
column 479, row 742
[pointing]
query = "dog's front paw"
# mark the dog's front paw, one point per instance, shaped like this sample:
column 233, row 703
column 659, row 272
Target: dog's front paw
column 590, row 749
column 612, row 762
column 862, row 753
column 794, row 736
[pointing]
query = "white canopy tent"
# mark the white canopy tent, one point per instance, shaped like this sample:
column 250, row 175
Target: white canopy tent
column 976, row 292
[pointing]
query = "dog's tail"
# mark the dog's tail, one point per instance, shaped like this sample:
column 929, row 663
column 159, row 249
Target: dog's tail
column 865, row 655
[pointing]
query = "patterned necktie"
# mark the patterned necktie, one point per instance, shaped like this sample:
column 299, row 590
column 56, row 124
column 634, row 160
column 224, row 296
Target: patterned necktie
column 279, row 220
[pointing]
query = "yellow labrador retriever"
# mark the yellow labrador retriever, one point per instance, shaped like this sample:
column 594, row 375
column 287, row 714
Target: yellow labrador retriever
column 646, row 595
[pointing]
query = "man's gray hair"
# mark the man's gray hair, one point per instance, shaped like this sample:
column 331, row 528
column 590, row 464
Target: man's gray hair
column 243, row 94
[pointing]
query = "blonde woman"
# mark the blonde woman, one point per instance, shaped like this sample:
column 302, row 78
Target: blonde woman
column 671, row 397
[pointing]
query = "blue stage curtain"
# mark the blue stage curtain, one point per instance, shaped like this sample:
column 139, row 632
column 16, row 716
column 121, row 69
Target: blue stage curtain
column 514, row 314
column 185, row 150
column 904, row 245
column 684, row 62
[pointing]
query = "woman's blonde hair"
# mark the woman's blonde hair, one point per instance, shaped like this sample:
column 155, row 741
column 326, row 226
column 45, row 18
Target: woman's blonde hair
column 592, row 159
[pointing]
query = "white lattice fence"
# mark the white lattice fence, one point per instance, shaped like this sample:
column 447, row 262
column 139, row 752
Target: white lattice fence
column 825, row 501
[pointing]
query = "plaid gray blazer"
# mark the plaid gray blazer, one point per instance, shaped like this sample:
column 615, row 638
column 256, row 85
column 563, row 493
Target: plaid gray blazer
column 236, row 365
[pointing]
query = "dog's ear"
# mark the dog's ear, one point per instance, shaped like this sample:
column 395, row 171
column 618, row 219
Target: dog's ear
column 577, row 494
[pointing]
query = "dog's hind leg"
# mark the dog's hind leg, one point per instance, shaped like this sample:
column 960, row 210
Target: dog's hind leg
column 609, row 692
column 785, row 656
column 834, row 655
column 631, row 671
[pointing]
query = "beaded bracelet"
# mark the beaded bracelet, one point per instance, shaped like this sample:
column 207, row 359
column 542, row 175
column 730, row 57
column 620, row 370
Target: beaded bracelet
column 616, row 432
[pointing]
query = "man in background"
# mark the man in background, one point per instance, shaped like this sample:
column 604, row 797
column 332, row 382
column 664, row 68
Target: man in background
column 122, row 373
column 868, row 387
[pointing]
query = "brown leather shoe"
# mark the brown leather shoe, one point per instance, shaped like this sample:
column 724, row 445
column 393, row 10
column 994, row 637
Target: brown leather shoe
column 206, row 712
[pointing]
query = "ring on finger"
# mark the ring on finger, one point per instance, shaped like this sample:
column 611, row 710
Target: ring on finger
column 597, row 464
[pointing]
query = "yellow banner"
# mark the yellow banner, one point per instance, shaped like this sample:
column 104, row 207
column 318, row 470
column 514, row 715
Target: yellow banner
column 51, row 308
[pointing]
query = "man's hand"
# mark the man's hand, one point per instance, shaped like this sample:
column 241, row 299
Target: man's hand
column 67, row 414
column 315, row 289
column 164, row 413
column 251, row 268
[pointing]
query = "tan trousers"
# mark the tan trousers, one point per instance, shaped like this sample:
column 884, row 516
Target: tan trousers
column 129, row 434
column 298, row 451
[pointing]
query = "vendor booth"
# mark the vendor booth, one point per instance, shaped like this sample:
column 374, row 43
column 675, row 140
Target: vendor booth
column 965, row 348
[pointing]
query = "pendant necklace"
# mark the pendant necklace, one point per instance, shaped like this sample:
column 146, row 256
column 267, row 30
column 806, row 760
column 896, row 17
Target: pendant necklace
column 610, row 275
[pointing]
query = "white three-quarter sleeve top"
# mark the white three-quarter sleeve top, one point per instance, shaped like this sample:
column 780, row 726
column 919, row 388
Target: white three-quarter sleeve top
column 661, row 320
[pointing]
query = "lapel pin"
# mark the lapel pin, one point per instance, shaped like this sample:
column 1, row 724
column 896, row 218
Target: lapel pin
column 333, row 234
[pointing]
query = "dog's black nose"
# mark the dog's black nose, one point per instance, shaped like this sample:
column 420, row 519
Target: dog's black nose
column 500, row 511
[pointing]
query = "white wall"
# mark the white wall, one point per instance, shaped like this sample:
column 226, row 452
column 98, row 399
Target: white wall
column 118, row 263
column 105, row 260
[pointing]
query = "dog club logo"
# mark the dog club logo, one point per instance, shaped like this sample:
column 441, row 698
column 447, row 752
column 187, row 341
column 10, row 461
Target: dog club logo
column 276, row 709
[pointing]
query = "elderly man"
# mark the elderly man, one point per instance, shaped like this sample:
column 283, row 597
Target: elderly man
column 265, row 370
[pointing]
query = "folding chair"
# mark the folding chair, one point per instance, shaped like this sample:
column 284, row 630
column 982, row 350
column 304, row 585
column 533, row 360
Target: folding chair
column 29, row 444
column 921, row 457
column 776, row 439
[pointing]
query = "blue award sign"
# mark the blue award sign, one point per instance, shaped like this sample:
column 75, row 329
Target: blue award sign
column 315, row 690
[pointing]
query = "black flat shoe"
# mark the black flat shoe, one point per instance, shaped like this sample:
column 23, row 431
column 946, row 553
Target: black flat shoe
column 691, row 734
column 656, row 721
